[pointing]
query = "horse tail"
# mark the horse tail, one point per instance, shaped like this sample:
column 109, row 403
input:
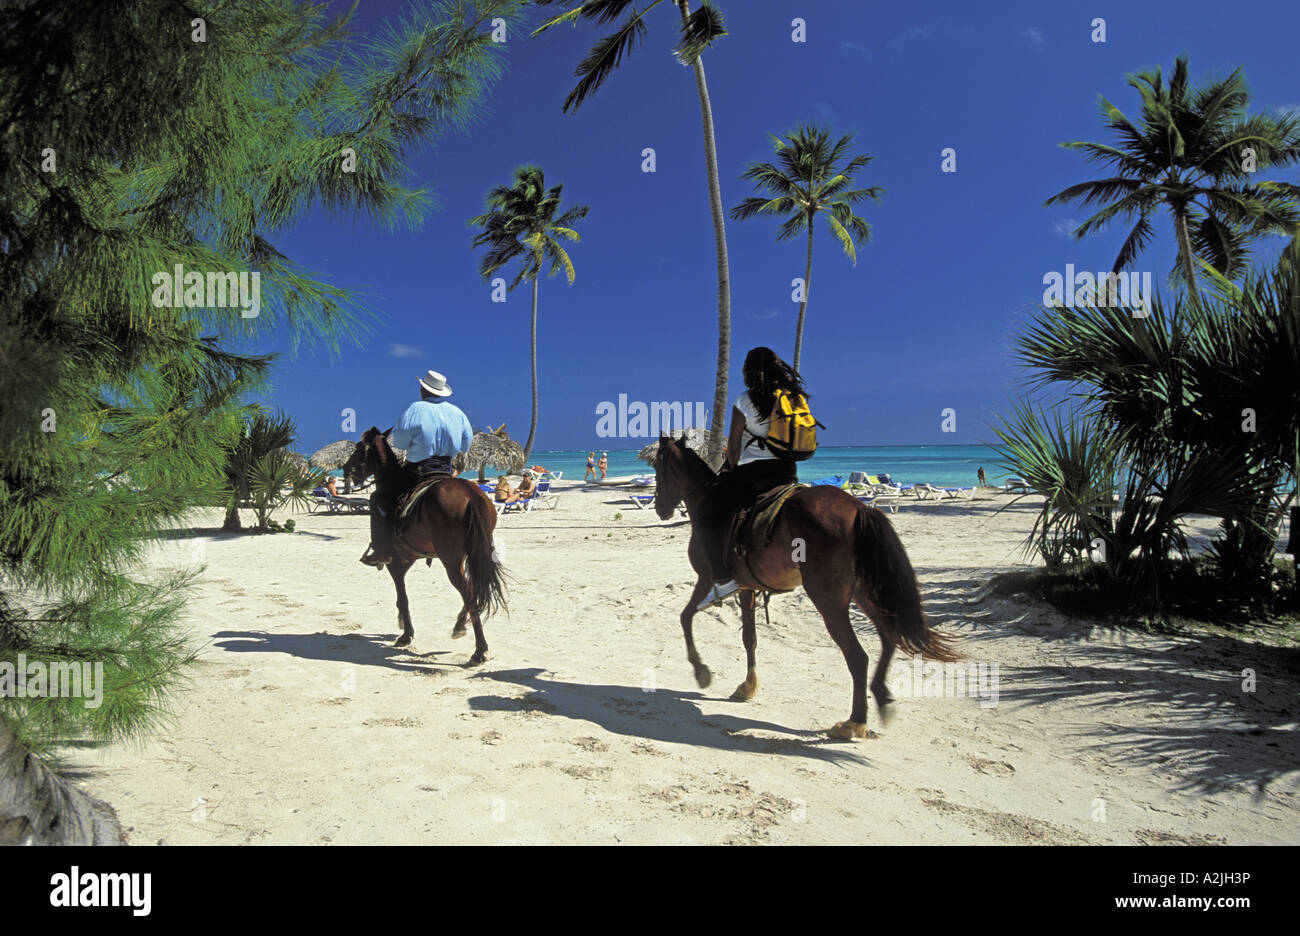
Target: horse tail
column 890, row 582
column 486, row 583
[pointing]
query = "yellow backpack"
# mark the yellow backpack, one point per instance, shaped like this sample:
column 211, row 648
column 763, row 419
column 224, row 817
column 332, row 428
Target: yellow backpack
column 792, row 428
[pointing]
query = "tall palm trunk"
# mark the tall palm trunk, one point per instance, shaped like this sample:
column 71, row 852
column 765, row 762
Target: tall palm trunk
column 532, row 426
column 803, row 306
column 39, row 807
column 717, row 427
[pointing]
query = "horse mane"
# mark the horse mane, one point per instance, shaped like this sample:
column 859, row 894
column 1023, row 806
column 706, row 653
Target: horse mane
column 696, row 463
column 691, row 461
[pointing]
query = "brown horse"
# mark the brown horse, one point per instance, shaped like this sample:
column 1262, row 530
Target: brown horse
column 846, row 552
column 453, row 522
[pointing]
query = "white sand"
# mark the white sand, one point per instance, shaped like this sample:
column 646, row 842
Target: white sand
column 302, row 724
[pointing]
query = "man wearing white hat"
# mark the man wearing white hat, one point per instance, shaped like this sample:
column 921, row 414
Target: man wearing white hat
column 431, row 431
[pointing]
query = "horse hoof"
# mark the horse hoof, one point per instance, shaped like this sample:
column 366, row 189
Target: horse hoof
column 403, row 641
column 848, row 730
column 478, row 658
column 458, row 631
column 886, row 711
column 745, row 691
column 703, row 678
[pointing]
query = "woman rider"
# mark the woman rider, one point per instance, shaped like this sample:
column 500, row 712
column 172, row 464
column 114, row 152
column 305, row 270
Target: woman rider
column 750, row 468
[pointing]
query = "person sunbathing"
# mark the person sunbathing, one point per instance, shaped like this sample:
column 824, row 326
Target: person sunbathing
column 331, row 486
column 504, row 493
column 527, row 486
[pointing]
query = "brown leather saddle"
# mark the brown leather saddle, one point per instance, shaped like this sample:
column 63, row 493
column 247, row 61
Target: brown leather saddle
column 751, row 528
column 408, row 502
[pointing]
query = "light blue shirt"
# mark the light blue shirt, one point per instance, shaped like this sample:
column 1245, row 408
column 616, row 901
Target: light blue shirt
column 428, row 428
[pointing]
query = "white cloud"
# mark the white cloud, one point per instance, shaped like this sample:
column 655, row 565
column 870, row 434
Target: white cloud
column 1065, row 227
column 767, row 313
column 910, row 35
column 1034, row 36
column 404, row 351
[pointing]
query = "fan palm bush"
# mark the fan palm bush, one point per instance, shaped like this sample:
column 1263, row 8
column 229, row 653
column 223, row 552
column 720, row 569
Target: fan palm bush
column 260, row 473
column 1192, row 409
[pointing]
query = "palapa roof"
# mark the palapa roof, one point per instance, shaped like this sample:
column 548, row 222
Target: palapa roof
column 494, row 449
column 697, row 440
column 332, row 456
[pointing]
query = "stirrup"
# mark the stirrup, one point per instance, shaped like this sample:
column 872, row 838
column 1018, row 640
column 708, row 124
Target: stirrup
column 370, row 558
column 719, row 592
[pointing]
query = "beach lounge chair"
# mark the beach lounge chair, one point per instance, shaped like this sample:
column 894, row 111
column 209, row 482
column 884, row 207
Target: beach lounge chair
column 890, row 502
column 928, row 492
column 960, row 493
column 337, row 503
column 518, row 506
column 646, row 501
column 544, row 498
column 321, row 500
column 858, row 483
column 1018, row 486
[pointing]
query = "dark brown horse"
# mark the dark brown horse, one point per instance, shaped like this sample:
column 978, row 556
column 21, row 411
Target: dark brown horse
column 452, row 522
column 840, row 550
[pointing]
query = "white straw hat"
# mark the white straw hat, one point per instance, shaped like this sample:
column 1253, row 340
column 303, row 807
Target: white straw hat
column 435, row 383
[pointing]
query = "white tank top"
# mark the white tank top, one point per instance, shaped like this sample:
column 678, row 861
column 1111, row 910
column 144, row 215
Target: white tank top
column 756, row 426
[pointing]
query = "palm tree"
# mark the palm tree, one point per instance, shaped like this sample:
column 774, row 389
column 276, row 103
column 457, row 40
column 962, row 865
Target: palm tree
column 259, row 473
column 698, row 30
column 521, row 222
column 1187, row 153
column 807, row 182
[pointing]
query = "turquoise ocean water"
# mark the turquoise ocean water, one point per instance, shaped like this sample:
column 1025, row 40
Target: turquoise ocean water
column 949, row 465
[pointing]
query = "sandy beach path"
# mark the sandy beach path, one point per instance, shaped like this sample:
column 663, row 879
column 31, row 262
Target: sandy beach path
column 301, row 723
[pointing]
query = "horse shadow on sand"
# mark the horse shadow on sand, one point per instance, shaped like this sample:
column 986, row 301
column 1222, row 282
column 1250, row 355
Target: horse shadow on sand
column 354, row 649
column 658, row 715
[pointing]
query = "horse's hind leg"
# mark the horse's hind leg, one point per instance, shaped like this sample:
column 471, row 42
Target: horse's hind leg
column 456, row 574
column 397, row 569
column 462, row 587
column 884, row 698
column 749, row 634
column 458, row 629
column 836, row 616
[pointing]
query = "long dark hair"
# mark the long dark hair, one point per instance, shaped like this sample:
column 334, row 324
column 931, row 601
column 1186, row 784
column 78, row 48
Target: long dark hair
column 765, row 374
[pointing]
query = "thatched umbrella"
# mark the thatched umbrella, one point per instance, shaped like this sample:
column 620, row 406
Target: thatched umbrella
column 334, row 455
column 491, row 448
column 298, row 461
column 697, row 440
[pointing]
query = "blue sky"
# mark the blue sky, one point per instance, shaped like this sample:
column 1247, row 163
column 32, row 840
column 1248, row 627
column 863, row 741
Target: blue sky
column 927, row 318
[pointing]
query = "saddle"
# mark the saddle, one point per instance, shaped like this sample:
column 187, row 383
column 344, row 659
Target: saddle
column 751, row 528
column 408, row 502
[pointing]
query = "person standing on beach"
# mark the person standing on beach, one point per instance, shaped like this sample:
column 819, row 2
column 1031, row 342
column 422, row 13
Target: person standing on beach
column 431, row 431
column 981, row 477
column 603, row 464
column 591, row 467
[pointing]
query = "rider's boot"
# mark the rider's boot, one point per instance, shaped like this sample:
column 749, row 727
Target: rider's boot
column 380, row 552
column 718, row 592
